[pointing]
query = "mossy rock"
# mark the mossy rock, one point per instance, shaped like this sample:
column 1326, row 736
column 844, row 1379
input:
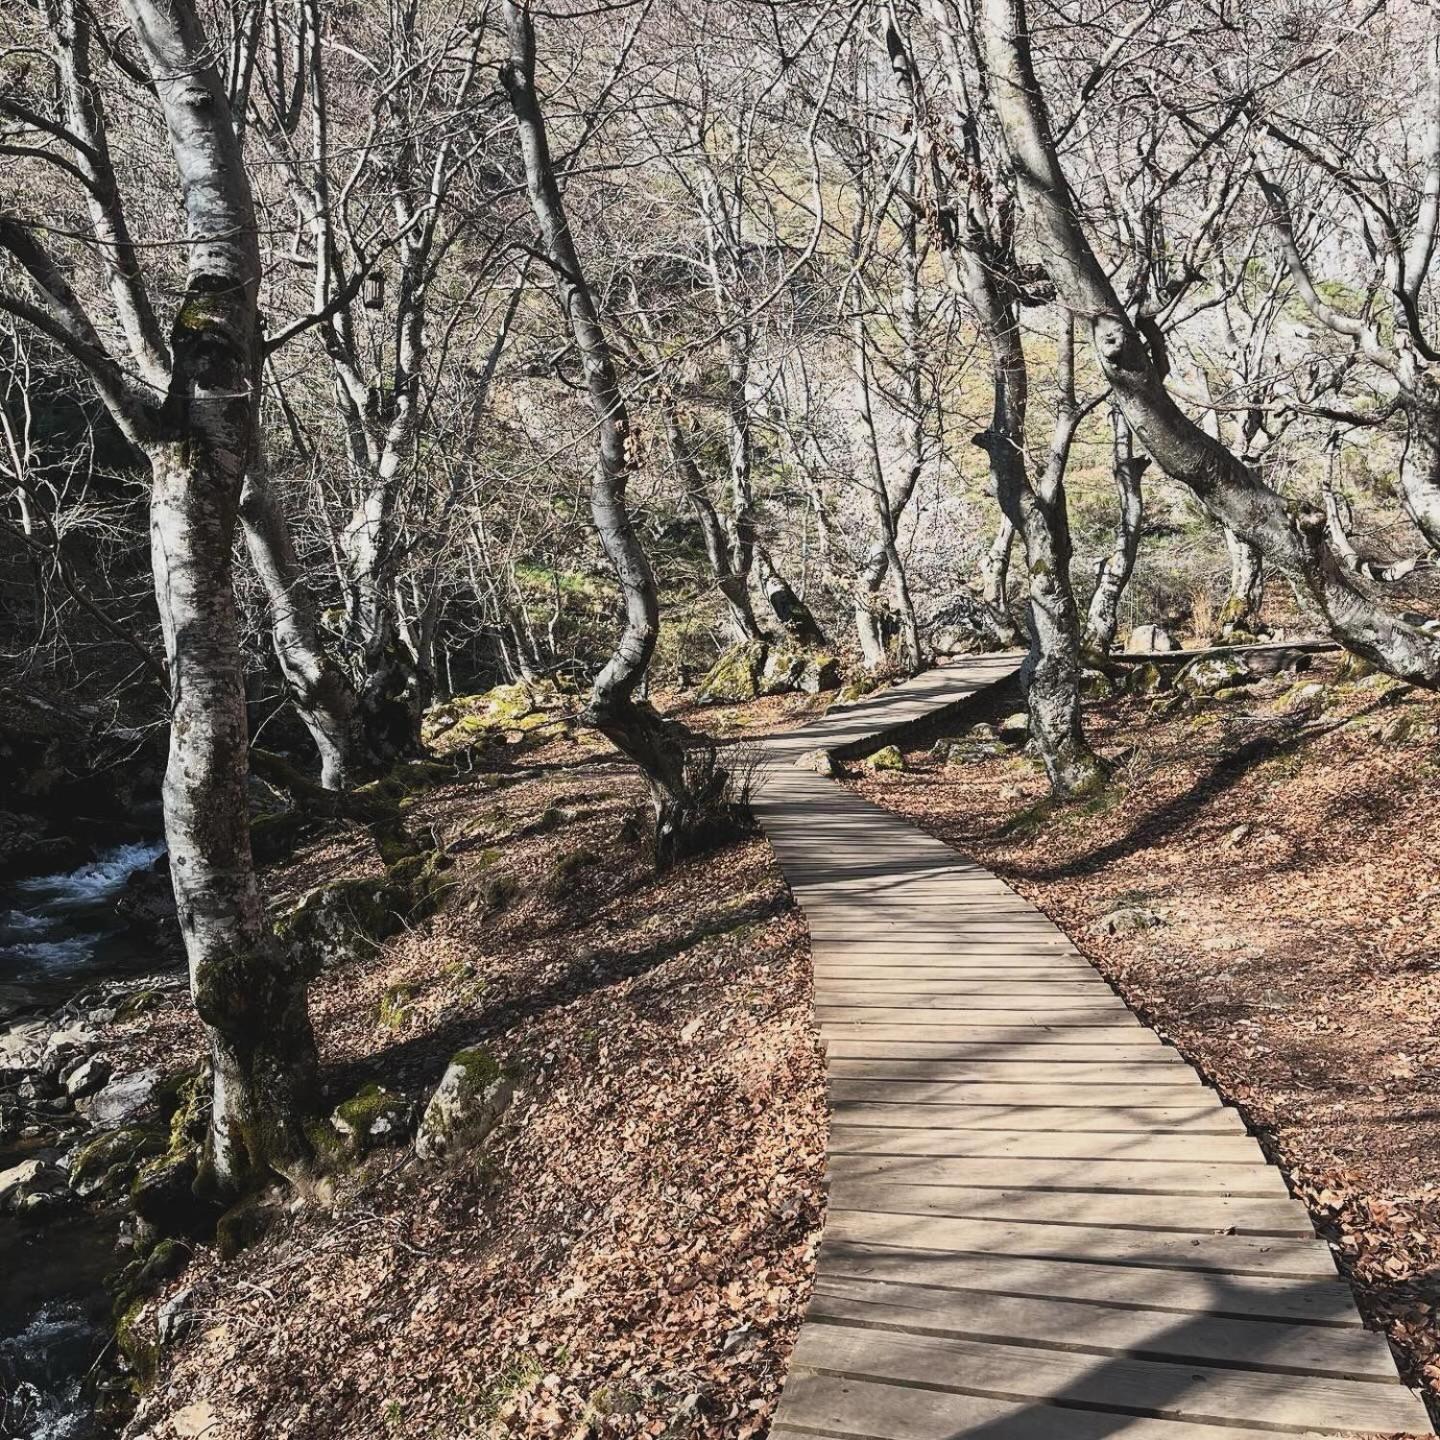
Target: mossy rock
column 1352, row 668
column 1211, row 673
column 858, row 689
column 499, row 892
column 784, row 666
column 1146, row 679
column 886, row 758
column 466, row 1105
column 821, row 673
column 240, row 1227
column 526, row 710
column 736, row 676
column 567, row 868
column 1096, row 685
column 335, row 922
column 140, row 1002
column 104, row 1166
column 373, row 1117
column 137, row 1340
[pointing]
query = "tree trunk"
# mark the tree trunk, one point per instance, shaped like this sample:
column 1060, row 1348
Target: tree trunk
column 319, row 689
column 789, row 609
column 1241, row 610
column 1114, row 571
column 630, row 724
column 867, row 607
column 248, row 994
column 995, row 582
column 1229, row 489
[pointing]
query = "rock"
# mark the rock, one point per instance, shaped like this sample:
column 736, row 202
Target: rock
column 22, row 1045
column 372, row 1118
column 1353, row 668
column 822, row 762
column 29, row 1178
column 1146, row 679
column 1015, row 729
column 735, row 676
column 175, row 1319
column 886, row 758
column 783, row 669
column 139, row 1002
column 105, row 1165
column 1127, row 919
column 981, row 731
column 332, row 923
column 35, row 1088
column 466, row 1106
column 87, row 1077
column 821, row 673
column 1096, row 685
column 1151, row 640
column 71, row 1040
column 120, row 1099
column 1211, row 673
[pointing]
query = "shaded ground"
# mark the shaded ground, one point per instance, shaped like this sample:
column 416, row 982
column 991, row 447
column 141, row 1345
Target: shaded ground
column 632, row 1250
column 1287, row 842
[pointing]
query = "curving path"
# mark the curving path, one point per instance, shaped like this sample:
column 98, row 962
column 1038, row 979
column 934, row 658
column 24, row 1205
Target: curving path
column 1042, row 1224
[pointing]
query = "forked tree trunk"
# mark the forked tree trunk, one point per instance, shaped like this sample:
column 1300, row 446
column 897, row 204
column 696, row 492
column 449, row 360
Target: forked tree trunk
column 249, row 995
column 320, row 690
column 614, row 707
column 1114, row 571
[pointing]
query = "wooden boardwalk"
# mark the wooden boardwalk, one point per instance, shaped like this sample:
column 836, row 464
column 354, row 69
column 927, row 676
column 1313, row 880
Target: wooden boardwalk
column 1042, row 1224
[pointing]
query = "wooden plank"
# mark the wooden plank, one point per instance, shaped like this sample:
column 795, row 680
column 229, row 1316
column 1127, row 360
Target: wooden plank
column 1318, row 1302
column 1100, row 1329
column 883, row 1133
column 1229, row 1254
column 1167, row 1177
column 864, row 1044
column 871, row 1123
column 1095, row 1021
column 1029, row 988
column 1000, row 1092
column 1244, row 1215
column 1154, row 1388
column 836, row 1407
column 1019, row 1040
column 1013, row 1072
column 1104, row 1008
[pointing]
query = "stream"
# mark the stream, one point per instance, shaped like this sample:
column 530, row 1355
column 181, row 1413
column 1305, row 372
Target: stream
column 60, row 937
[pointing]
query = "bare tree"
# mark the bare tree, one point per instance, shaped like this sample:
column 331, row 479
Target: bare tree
column 189, row 403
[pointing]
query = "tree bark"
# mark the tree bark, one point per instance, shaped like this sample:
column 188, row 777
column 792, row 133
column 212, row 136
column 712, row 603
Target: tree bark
column 995, row 582
column 629, row 723
column 794, row 615
column 1230, row 490
column 1241, row 610
column 319, row 689
column 249, row 995
column 1114, row 571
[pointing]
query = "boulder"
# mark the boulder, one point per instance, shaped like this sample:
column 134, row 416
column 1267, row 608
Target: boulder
column 1213, row 672
column 22, row 1045
column 1146, row 679
column 87, row 1077
column 466, row 1106
column 20, row 1183
column 175, row 1319
column 736, row 676
column 886, row 758
column 1151, row 640
column 105, row 1165
column 821, row 673
column 822, row 762
column 372, row 1118
column 1015, row 729
column 120, row 1099
column 783, row 670
column 1128, row 918
column 1096, row 685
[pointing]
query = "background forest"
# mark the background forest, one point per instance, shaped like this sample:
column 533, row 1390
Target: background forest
column 404, row 409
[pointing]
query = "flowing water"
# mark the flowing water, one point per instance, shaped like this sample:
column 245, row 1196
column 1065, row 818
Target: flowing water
column 60, row 935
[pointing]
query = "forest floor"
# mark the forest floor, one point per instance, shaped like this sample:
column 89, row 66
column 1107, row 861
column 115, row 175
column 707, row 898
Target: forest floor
column 1274, row 860
column 631, row 1250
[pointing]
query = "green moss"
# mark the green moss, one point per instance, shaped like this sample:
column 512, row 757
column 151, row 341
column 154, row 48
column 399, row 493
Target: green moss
column 372, row 1116
column 480, row 1066
column 139, row 1003
column 499, row 892
column 138, row 1343
column 108, row 1162
column 888, row 758
column 394, row 1008
column 735, row 676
